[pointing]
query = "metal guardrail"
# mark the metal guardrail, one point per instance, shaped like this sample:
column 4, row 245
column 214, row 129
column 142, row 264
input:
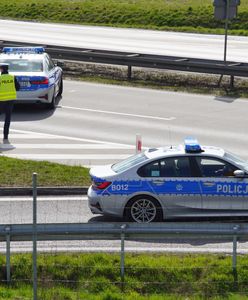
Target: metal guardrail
column 117, row 231
column 142, row 60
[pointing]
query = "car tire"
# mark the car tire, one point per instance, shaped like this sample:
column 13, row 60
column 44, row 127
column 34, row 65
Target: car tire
column 60, row 87
column 143, row 209
column 52, row 104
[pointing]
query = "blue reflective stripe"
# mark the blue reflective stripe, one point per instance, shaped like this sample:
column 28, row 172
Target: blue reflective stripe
column 176, row 187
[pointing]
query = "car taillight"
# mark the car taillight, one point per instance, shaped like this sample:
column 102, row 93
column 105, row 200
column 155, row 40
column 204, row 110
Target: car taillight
column 42, row 81
column 100, row 185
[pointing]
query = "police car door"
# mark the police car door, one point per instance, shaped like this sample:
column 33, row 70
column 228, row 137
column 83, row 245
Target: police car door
column 177, row 190
column 222, row 192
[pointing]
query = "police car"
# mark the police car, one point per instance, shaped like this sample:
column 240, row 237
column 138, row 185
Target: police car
column 39, row 78
column 189, row 180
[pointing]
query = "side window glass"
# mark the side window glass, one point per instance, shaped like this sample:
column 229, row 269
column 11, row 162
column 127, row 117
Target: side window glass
column 150, row 170
column 169, row 167
column 49, row 63
column 175, row 167
column 211, row 167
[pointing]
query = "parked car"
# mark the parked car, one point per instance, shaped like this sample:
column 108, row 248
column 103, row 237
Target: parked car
column 169, row 182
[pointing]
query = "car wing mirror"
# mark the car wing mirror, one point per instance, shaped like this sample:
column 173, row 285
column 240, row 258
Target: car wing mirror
column 60, row 63
column 239, row 173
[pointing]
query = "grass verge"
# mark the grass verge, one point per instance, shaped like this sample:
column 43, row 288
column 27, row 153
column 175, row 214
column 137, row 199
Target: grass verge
column 179, row 15
column 157, row 79
column 18, row 173
column 154, row 276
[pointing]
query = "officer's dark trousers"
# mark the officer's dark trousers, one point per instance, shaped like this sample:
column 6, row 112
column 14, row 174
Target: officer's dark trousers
column 6, row 107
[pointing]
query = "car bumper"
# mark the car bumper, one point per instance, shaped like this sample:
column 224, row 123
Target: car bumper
column 38, row 96
column 105, row 205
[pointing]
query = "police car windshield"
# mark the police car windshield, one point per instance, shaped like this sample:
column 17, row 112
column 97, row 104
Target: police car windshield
column 129, row 162
column 24, row 65
column 237, row 160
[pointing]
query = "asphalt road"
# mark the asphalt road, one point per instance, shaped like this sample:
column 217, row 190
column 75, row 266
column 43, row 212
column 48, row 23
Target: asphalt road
column 97, row 124
column 128, row 40
column 74, row 209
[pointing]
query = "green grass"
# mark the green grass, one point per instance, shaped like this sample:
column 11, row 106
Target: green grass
column 154, row 276
column 177, row 15
column 18, row 173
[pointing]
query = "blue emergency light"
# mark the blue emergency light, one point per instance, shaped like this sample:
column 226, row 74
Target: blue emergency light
column 18, row 50
column 192, row 145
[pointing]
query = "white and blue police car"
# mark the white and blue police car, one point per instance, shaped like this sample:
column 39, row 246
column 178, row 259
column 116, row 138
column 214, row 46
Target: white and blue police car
column 188, row 180
column 39, row 77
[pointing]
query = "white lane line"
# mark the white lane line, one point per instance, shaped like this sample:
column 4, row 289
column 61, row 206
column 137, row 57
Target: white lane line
column 69, row 138
column 43, row 198
column 120, row 114
column 69, row 156
column 64, row 146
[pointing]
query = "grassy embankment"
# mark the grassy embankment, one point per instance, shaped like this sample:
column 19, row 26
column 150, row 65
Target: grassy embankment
column 154, row 277
column 18, row 173
column 177, row 15
column 174, row 15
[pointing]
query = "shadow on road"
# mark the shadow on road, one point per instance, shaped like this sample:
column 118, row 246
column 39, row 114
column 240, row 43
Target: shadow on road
column 31, row 112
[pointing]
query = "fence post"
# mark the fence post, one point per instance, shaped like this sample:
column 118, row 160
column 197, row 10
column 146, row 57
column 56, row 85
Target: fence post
column 234, row 256
column 123, row 227
column 7, row 229
column 34, row 236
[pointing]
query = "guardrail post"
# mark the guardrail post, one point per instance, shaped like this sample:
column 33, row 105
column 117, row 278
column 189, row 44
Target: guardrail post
column 123, row 227
column 129, row 72
column 7, row 229
column 232, row 82
column 34, row 236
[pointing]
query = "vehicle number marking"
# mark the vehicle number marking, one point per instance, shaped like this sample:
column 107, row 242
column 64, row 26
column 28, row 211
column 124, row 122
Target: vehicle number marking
column 119, row 187
column 25, row 84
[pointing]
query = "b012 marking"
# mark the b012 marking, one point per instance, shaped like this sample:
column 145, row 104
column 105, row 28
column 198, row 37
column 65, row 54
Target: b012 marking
column 119, row 187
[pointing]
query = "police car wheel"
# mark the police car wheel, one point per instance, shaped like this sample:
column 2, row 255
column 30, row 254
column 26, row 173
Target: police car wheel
column 143, row 209
column 52, row 105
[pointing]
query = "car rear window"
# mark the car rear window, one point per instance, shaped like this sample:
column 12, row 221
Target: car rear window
column 24, row 65
column 129, row 162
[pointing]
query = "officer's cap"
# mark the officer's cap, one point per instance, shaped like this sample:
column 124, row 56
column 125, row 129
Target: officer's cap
column 4, row 65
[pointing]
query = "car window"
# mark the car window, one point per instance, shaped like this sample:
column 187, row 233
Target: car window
column 24, row 65
column 168, row 167
column 211, row 167
column 129, row 162
column 50, row 64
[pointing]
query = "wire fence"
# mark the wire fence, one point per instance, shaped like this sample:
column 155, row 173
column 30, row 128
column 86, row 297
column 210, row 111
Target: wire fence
column 88, row 268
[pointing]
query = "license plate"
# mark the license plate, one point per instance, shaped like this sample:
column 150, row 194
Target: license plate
column 25, row 84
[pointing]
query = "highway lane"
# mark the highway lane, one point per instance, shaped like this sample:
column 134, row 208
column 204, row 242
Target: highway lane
column 74, row 209
column 110, row 117
column 128, row 40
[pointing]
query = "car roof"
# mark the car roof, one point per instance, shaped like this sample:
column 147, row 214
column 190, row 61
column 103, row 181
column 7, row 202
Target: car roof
column 32, row 56
column 180, row 151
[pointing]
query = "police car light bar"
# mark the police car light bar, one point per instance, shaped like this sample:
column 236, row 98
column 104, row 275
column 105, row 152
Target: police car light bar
column 36, row 50
column 192, row 145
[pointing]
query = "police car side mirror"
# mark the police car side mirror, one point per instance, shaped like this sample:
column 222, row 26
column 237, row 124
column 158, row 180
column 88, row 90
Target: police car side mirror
column 239, row 173
column 60, row 63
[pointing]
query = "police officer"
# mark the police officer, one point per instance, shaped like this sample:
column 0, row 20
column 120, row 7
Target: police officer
column 8, row 87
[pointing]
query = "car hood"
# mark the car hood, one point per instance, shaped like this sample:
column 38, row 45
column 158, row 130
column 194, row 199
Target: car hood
column 102, row 171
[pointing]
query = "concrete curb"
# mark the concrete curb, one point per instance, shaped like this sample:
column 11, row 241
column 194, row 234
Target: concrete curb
column 43, row 191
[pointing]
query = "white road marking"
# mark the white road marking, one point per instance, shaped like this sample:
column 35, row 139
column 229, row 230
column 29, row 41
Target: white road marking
column 47, row 135
column 120, row 114
column 43, row 198
column 63, row 146
column 70, row 156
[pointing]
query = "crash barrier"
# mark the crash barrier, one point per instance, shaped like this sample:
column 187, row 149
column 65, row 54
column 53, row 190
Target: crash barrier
column 166, row 231
column 130, row 60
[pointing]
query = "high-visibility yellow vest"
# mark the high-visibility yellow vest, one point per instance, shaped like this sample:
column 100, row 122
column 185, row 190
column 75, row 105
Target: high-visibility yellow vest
column 7, row 87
